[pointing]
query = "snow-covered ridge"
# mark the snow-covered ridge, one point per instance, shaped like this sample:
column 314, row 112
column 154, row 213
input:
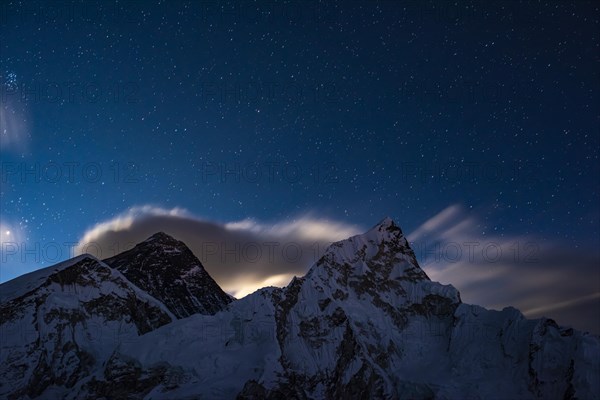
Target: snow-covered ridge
column 61, row 323
column 27, row 282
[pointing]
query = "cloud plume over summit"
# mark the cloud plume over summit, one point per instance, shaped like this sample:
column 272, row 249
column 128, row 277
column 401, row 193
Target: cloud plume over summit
column 242, row 256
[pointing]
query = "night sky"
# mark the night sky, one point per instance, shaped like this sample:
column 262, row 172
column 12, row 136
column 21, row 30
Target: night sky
column 279, row 113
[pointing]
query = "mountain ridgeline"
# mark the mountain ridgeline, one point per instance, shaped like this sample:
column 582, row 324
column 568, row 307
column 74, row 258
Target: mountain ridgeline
column 364, row 322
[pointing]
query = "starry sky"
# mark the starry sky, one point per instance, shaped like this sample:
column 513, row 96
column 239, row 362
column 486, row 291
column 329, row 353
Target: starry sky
column 473, row 118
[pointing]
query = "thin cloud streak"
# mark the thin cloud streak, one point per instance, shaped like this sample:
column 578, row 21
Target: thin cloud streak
column 539, row 277
column 14, row 127
column 562, row 305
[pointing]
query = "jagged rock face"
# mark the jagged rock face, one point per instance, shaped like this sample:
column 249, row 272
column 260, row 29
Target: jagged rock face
column 365, row 322
column 169, row 271
column 341, row 327
column 59, row 324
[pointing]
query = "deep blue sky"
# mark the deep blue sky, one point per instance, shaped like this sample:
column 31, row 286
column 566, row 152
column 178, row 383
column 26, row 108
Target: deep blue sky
column 378, row 97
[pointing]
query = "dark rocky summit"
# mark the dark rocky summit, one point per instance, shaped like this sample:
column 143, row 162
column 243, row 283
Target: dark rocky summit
column 168, row 270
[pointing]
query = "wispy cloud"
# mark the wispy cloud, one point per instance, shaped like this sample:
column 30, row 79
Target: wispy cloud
column 15, row 132
column 540, row 277
column 565, row 304
column 242, row 256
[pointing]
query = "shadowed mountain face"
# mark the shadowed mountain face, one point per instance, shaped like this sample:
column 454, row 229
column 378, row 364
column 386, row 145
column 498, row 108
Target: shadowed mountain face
column 364, row 322
column 166, row 269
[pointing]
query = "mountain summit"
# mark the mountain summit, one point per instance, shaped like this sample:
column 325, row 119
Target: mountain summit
column 168, row 270
column 164, row 239
column 364, row 322
column 382, row 252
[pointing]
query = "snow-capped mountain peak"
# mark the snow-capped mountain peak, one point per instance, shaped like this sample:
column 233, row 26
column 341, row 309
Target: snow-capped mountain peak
column 385, row 223
column 382, row 250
